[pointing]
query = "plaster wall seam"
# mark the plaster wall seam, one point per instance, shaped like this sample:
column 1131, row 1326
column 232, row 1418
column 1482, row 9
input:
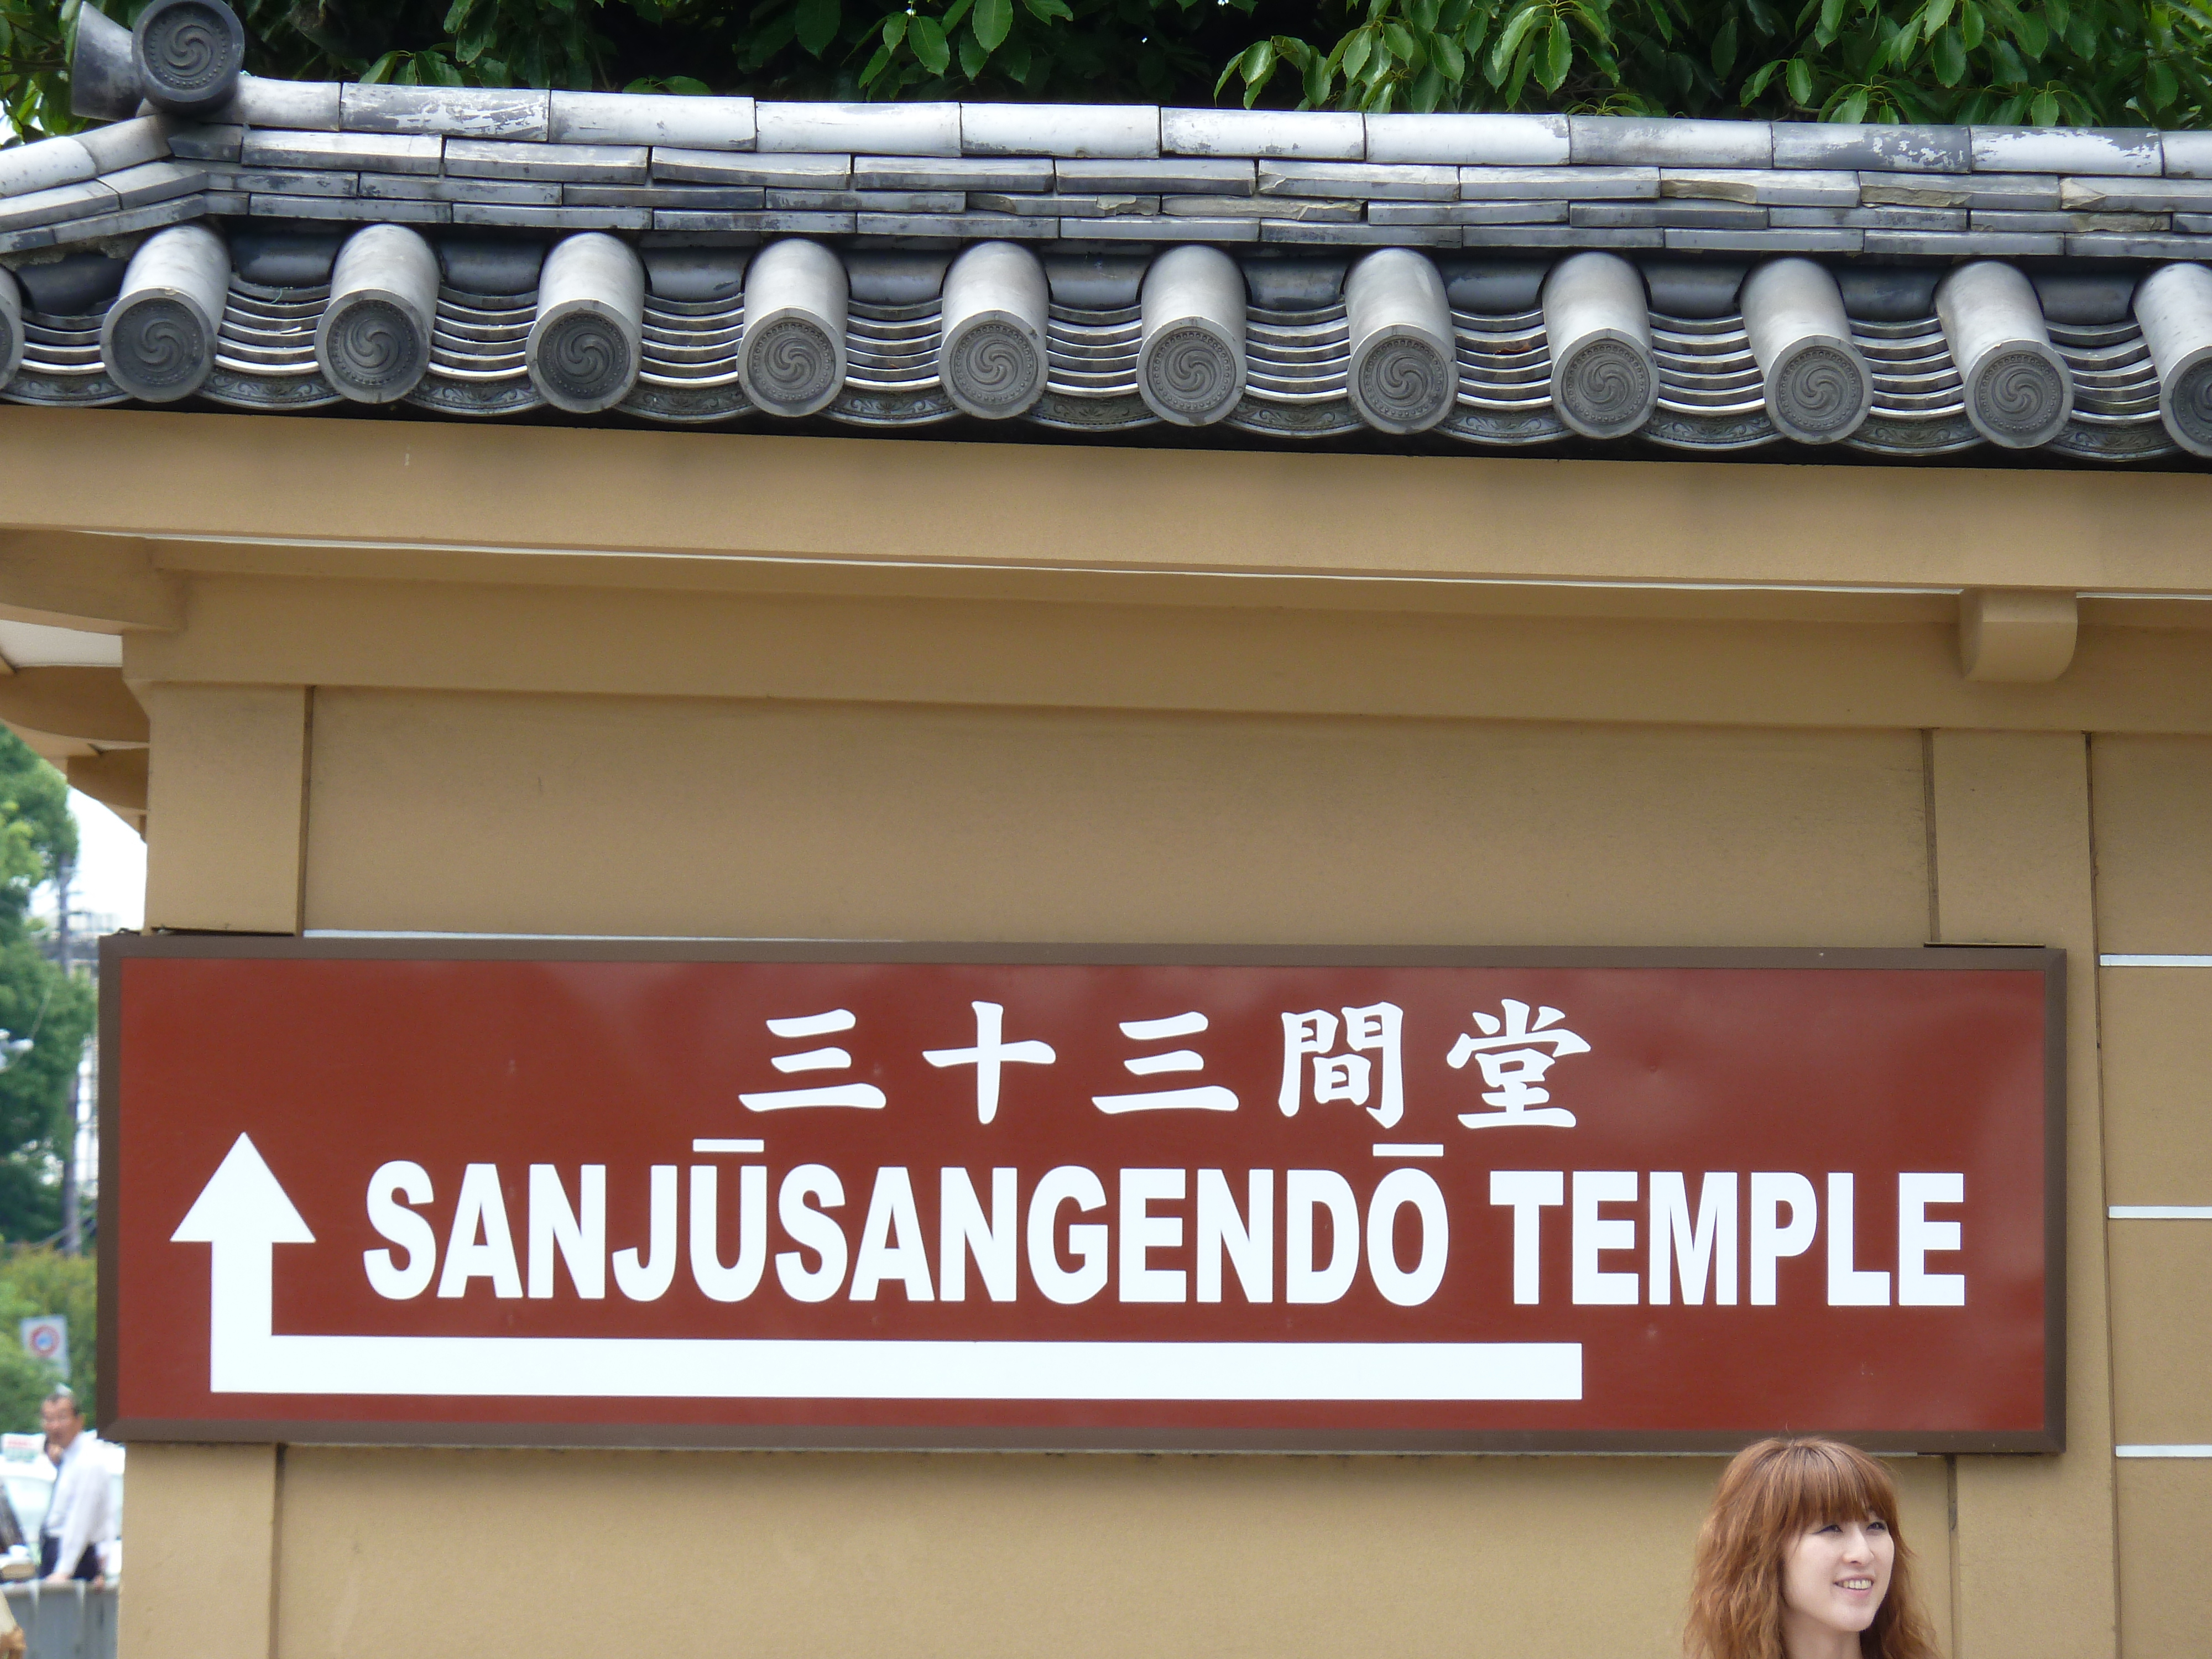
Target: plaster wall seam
column 1934, row 937
column 276, row 1547
column 2096, row 993
column 307, row 805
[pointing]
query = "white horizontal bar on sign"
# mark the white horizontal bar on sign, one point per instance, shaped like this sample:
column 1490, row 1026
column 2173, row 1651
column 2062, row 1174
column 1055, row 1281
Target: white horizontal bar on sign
column 729, row 1145
column 1409, row 1148
column 2162, row 1451
column 2160, row 1213
column 2119, row 959
column 678, row 1368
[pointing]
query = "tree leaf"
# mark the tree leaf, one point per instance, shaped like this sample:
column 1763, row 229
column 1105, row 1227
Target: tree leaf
column 1450, row 61
column 991, row 21
column 1515, row 31
column 1048, row 11
column 2044, row 111
column 1558, row 56
column 1724, row 48
column 1801, row 82
column 1853, row 109
column 894, row 30
column 926, row 36
column 2034, row 37
column 1948, row 57
column 1972, row 25
column 1360, row 44
column 814, row 22
column 974, row 54
column 1831, row 20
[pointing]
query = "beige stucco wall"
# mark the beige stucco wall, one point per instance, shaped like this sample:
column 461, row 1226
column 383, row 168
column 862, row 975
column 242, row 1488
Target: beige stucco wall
column 1289, row 725
column 470, row 811
column 2155, row 896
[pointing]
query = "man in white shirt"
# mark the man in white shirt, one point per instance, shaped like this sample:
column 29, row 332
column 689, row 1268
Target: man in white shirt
column 81, row 1516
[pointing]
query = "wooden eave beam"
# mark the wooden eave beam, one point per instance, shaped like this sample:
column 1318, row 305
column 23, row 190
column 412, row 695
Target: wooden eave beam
column 373, row 484
column 103, row 584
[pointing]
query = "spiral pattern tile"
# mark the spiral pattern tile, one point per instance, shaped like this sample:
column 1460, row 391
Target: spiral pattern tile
column 1405, row 382
column 373, row 347
column 1605, row 387
column 2191, row 402
column 994, row 369
column 791, row 366
column 1192, row 372
column 585, row 359
column 190, row 51
column 159, row 347
column 2020, row 397
column 1818, row 391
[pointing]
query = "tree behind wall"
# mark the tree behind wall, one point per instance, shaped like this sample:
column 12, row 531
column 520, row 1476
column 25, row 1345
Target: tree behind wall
column 40, row 1005
column 2093, row 63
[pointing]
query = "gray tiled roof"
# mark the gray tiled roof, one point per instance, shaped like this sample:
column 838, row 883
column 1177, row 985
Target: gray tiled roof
column 1497, row 279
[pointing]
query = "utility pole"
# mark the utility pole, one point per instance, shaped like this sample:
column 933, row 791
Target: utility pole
column 72, row 1225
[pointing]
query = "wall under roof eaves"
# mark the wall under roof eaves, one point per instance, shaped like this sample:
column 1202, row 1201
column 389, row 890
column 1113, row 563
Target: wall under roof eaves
column 1500, row 279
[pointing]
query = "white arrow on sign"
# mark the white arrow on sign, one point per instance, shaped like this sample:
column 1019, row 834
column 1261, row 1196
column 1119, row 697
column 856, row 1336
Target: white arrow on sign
column 245, row 1214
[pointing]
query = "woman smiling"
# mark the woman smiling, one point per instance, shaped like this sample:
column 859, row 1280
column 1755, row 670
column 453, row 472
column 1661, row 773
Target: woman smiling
column 1800, row 1558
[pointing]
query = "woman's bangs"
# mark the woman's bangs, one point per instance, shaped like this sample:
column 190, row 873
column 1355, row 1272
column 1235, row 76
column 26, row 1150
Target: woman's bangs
column 1816, row 1484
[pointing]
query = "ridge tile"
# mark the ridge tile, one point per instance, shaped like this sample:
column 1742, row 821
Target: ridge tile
column 456, row 112
column 651, row 118
column 1077, row 131
column 867, row 128
column 564, row 164
column 1469, row 140
column 1300, row 134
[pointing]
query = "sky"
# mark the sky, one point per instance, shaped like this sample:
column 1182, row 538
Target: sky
column 111, row 874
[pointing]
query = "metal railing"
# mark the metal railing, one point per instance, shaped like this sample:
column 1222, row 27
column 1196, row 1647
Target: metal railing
column 75, row 1620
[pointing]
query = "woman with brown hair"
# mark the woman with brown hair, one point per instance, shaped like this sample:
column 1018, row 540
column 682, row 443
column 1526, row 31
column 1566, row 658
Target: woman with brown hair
column 1800, row 1558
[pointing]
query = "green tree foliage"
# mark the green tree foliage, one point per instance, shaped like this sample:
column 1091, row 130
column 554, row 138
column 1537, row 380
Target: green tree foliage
column 2038, row 61
column 39, row 1006
column 38, row 1281
column 35, row 1282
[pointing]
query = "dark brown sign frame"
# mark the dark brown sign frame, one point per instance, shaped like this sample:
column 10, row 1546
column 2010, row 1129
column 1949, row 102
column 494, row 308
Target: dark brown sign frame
column 115, row 950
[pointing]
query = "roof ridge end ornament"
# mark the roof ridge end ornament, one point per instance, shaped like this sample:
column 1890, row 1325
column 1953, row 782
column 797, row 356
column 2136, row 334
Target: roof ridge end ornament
column 993, row 360
column 2173, row 308
column 1818, row 386
column 11, row 326
column 373, row 341
column 2020, row 393
column 1403, row 370
column 1597, row 323
column 182, row 57
column 587, row 342
column 1191, row 366
column 158, row 340
column 791, row 353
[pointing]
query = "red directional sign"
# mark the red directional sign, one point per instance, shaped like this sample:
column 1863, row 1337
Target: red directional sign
column 635, row 1193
